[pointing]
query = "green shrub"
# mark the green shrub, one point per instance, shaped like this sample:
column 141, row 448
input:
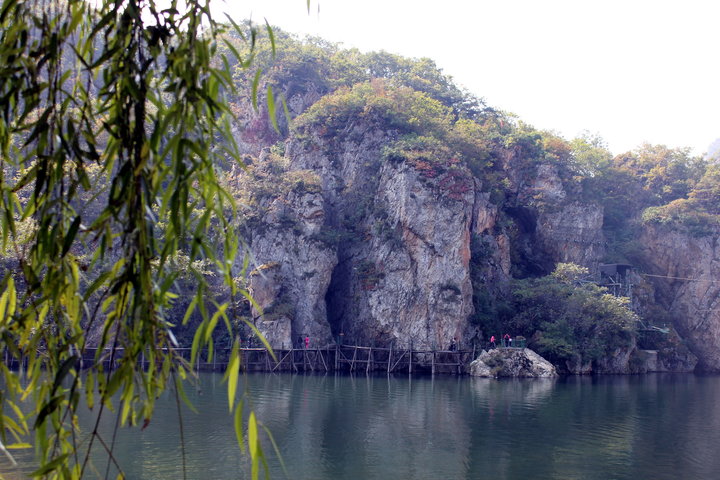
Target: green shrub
column 684, row 214
column 400, row 108
column 565, row 318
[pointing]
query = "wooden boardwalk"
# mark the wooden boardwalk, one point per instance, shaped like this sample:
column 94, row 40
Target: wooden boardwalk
column 335, row 358
column 354, row 358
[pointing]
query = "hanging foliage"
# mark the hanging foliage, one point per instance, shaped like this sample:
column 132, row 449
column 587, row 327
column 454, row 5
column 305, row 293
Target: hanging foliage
column 112, row 125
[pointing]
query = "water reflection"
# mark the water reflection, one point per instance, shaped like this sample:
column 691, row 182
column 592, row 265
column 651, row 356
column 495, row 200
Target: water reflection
column 335, row 427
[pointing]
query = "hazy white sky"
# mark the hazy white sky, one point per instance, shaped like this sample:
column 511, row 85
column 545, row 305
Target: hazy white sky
column 631, row 70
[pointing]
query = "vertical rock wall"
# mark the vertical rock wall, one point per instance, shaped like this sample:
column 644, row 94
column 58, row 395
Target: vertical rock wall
column 573, row 234
column 688, row 269
column 381, row 255
column 412, row 285
column 556, row 226
column 294, row 271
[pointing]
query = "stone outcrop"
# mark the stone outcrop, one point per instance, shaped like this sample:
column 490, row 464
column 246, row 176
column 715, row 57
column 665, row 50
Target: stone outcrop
column 383, row 251
column 687, row 269
column 380, row 254
column 665, row 361
column 511, row 362
column 615, row 362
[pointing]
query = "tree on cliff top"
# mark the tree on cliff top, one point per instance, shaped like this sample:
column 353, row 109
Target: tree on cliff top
column 118, row 102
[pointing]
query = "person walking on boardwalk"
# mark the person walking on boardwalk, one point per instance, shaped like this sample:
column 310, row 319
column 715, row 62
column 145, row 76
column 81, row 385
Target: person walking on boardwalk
column 492, row 341
column 453, row 345
column 506, row 339
column 509, row 342
column 307, row 342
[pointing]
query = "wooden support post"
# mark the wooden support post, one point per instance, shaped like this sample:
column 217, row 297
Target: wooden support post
column 410, row 360
column 282, row 360
column 369, row 361
column 293, row 362
column 322, row 359
column 389, row 359
column 337, row 354
column 433, row 362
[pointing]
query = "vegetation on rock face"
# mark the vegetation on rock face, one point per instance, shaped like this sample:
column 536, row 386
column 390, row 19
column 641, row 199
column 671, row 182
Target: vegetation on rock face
column 438, row 124
column 390, row 107
column 259, row 185
column 653, row 184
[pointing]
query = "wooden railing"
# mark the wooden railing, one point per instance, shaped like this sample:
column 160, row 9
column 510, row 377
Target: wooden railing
column 332, row 358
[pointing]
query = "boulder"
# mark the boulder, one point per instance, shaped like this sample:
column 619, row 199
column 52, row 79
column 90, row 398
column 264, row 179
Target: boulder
column 511, row 362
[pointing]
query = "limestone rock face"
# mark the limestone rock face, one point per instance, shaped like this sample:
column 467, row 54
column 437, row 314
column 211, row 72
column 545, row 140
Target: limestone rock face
column 402, row 275
column 573, row 234
column 547, row 184
column 422, row 293
column 381, row 252
column 511, row 362
column 567, row 231
column 294, row 271
column 553, row 226
column 688, row 268
column 496, row 271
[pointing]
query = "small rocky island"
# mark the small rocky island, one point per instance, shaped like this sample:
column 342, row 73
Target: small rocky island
column 511, row 362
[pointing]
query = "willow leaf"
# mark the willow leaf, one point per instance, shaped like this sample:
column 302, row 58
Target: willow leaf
column 271, row 108
column 253, row 445
column 232, row 374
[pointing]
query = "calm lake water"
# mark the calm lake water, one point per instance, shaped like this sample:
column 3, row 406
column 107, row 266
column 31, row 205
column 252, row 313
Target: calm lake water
column 357, row 427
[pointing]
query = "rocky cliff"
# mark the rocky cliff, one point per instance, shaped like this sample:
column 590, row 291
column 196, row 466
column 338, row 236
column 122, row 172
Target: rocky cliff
column 684, row 269
column 381, row 253
column 428, row 210
column 552, row 225
column 294, row 271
